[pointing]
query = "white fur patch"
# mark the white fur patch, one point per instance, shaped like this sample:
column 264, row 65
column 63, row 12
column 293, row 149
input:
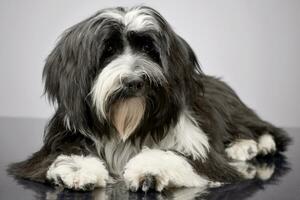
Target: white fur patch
column 134, row 19
column 187, row 137
column 248, row 170
column 266, row 144
column 68, row 124
column 76, row 172
column 242, row 150
column 109, row 81
column 127, row 114
column 169, row 170
column 140, row 19
column 265, row 172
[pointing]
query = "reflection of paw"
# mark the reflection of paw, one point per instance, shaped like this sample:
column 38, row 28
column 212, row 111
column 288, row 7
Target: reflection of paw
column 77, row 172
column 157, row 169
column 266, row 144
column 246, row 169
column 190, row 193
column 249, row 171
column 264, row 172
column 242, row 150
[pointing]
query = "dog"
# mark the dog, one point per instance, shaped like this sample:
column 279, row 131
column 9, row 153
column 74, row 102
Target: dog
column 133, row 104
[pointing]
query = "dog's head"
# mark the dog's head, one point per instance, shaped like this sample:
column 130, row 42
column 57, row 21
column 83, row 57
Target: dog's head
column 122, row 68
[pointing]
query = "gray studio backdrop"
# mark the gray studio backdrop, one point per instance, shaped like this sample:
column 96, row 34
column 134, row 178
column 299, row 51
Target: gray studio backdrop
column 253, row 45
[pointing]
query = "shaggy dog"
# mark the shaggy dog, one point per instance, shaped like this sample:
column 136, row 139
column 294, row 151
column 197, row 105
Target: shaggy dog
column 132, row 103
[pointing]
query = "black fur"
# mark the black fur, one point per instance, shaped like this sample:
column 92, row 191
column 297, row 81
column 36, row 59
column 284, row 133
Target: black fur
column 87, row 47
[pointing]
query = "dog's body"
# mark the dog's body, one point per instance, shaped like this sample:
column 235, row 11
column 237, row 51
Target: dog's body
column 133, row 103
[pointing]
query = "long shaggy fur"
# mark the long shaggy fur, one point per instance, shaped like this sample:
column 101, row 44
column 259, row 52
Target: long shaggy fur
column 123, row 79
column 127, row 115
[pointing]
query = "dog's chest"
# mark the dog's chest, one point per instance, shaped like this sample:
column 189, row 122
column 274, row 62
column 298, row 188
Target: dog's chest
column 117, row 153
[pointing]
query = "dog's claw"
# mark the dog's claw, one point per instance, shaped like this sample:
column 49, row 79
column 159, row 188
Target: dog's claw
column 132, row 188
column 88, row 187
column 60, row 182
column 148, row 183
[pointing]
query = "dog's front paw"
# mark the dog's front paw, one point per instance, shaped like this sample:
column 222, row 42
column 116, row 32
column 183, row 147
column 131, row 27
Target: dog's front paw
column 157, row 169
column 242, row 150
column 77, row 172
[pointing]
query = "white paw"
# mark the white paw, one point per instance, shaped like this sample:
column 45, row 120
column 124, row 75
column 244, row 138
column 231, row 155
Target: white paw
column 248, row 170
column 266, row 144
column 265, row 172
column 242, row 150
column 78, row 172
column 157, row 169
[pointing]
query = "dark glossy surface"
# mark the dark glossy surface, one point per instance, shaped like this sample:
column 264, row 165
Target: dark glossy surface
column 21, row 137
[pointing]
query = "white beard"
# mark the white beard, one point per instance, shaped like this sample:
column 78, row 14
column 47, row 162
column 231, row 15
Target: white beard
column 127, row 114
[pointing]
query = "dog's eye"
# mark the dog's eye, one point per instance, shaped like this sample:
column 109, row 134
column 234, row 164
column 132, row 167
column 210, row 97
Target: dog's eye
column 110, row 49
column 147, row 46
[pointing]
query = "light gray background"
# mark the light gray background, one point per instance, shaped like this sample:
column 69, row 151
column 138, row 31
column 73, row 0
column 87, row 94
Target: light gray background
column 254, row 45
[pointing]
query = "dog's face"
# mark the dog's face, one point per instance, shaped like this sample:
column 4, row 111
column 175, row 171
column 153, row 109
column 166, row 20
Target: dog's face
column 123, row 67
column 131, row 67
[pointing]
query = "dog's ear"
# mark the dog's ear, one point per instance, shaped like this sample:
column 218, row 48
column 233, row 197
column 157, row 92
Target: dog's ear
column 179, row 59
column 191, row 56
column 67, row 76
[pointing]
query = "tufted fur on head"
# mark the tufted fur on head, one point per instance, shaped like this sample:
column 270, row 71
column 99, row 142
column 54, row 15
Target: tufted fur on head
column 84, row 73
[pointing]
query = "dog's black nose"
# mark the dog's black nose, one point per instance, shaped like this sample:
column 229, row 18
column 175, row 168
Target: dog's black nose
column 134, row 85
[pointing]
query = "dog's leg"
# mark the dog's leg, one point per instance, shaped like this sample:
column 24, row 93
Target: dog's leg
column 78, row 172
column 242, row 149
column 35, row 167
column 247, row 149
column 158, row 169
column 190, row 156
column 243, row 126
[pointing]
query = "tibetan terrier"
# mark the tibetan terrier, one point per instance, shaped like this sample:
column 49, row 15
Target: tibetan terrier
column 132, row 104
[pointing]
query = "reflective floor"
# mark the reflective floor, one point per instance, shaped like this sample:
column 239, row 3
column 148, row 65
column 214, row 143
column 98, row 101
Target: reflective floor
column 276, row 178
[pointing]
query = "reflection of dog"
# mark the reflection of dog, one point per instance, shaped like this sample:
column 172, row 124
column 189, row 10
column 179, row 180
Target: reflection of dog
column 133, row 103
column 243, row 190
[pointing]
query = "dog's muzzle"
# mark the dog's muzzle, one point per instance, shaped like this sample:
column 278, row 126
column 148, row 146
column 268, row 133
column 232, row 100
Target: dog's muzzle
column 133, row 86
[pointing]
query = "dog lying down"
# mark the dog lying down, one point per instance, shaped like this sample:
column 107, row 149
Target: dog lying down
column 132, row 104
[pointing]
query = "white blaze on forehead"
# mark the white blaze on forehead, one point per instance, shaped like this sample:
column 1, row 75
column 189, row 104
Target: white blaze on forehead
column 134, row 19
column 140, row 18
